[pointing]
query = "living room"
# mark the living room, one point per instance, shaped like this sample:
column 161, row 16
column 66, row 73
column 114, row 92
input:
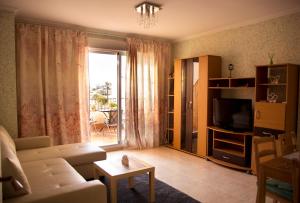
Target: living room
column 160, row 101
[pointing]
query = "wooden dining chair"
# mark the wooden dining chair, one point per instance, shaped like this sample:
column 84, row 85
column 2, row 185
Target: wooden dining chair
column 287, row 143
column 296, row 181
column 265, row 149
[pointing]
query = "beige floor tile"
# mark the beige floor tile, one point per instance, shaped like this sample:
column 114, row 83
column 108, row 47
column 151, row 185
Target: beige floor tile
column 200, row 179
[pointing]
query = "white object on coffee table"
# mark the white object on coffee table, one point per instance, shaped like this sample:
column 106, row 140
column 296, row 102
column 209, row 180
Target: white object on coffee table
column 125, row 160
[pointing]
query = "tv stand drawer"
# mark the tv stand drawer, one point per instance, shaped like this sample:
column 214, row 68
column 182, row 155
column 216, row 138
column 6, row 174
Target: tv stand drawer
column 230, row 158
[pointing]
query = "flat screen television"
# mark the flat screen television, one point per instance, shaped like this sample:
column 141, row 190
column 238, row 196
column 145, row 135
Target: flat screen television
column 233, row 114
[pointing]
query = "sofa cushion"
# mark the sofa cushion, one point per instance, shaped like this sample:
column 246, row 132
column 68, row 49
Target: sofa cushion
column 11, row 167
column 6, row 139
column 49, row 174
column 75, row 154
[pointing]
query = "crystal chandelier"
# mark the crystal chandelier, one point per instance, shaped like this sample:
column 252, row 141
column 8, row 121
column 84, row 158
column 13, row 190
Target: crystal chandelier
column 147, row 13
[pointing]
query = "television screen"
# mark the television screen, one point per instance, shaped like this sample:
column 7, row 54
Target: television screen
column 233, row 114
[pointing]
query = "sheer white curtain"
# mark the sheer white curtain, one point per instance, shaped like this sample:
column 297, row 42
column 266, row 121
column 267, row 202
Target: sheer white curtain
column 146, row 83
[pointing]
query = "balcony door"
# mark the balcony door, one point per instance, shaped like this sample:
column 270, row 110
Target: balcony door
column 106, row 96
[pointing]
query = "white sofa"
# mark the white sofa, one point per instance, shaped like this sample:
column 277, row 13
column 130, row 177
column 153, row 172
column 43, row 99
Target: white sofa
column 51, row 173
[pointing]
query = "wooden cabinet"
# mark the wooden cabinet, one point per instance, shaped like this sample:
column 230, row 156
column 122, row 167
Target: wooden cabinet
column 225, row 147
column 270, row 115
column 177, row 104
column 278, row 116
column 229, row 148
column 192, row 101
column 276, row 98
column 210, row 67
column 186, row 79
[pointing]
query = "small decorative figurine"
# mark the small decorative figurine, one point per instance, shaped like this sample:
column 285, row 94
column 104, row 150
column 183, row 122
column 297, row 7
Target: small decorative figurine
column 125, row 160
column 230, row 68
column 274, row 79
column 272, row 97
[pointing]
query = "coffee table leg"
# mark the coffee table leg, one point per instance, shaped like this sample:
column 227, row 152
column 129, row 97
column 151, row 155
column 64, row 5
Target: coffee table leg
column 113, row 191
column 130, row 182
column 151, row 186
column 95, row 174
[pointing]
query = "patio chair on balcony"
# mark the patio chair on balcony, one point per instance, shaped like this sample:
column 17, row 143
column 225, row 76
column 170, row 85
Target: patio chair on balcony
column 112, row 121
column 97, row 122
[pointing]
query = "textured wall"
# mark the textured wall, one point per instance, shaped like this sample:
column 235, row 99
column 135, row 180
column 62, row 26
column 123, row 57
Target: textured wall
column 8, row 98
column 248, row 46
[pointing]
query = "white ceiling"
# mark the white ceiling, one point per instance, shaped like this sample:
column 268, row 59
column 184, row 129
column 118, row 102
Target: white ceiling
column 179, row 19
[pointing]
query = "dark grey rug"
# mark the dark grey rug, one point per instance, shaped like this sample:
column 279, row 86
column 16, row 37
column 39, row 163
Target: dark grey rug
column 164, row 193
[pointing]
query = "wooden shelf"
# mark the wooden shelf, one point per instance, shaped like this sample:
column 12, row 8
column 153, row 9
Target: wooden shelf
column 217, row 161
column 276, row 65
column 231, row 88
column 230, row 141
column 229, row 131
column 218, row 78
column 270, row 84
column 231, row 83
column 170, row 117
column 230, row 151
column 266, row 102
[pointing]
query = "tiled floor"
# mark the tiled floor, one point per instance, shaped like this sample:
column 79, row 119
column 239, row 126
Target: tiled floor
column 104, row 137
column 200, row 179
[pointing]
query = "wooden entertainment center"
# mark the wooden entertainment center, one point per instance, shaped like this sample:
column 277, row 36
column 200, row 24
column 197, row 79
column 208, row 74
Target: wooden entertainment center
column 229, row 148
column 190, row 118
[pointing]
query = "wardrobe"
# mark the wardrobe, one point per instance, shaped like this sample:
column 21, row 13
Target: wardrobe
column 190, row 101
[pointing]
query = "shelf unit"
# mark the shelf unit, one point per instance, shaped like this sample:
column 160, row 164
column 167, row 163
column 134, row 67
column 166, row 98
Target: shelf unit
column 280, row 117
column 232, row 149
column 231, row 83
column 170, row 121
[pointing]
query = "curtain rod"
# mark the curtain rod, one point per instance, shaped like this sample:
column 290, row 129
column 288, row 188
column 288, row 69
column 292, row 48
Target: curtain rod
column 89, row 31
column 105, row 35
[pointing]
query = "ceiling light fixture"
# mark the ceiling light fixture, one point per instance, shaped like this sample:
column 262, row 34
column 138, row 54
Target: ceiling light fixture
column 147, row 13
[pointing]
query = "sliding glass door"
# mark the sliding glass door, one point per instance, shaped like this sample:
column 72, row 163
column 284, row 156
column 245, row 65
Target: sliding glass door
column 107, row 96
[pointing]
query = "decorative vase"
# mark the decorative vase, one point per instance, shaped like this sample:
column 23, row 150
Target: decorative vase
column 271, row 56
column 230, row 68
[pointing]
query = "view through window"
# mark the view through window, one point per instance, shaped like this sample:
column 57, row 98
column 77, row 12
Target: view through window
column 107, row 97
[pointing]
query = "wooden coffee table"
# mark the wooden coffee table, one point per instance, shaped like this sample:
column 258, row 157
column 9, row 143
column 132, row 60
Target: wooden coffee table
column 114, row 170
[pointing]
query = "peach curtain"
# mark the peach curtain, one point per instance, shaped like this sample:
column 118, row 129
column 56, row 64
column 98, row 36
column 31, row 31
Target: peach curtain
column 52, row 83
column 146, row 88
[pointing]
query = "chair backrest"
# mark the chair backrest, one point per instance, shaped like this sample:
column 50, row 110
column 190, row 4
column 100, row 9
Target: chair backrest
column 113, row 117
column 287, row 143
column 265, row 149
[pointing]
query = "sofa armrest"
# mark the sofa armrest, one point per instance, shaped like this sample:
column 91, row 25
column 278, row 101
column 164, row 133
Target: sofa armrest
column 32, row 142
column 91, row 191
